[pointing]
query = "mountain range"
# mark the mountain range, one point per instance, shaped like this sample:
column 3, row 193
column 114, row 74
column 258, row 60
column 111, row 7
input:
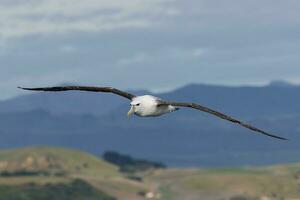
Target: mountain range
column 97, row 122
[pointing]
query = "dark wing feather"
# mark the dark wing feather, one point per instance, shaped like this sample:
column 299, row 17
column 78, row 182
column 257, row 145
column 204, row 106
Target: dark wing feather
column 83, row 88
column 220, row 115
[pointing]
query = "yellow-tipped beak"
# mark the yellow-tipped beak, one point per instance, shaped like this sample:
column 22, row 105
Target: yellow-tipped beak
column 131, row 111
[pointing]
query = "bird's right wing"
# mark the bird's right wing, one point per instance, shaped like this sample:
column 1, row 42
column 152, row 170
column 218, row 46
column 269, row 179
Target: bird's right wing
column 83, row 88
column 218, row 114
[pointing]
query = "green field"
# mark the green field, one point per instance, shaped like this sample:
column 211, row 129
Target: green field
column 75, row 190
column 270, row 183
column 41, row 172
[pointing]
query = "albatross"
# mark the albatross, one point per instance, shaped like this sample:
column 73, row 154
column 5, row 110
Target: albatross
column 151, row 106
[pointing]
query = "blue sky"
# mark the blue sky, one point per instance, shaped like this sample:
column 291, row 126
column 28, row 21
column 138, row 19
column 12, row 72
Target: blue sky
column 153, row 44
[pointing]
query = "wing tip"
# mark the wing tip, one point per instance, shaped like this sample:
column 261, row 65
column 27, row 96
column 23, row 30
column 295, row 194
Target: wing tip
column 23, row 88
column 274, row 136
column 282, row 138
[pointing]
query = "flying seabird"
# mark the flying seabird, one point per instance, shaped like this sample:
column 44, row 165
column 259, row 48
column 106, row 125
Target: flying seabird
column 151, row 106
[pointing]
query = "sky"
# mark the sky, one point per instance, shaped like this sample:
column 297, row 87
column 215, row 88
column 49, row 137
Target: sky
column 154, row 44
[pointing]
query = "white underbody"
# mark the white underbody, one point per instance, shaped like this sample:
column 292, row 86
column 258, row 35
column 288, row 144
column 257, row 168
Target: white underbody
column 147, row 106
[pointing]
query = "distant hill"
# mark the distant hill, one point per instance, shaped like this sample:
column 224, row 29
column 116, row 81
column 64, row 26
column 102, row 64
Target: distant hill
column 129, row 164
column 97, row 122
column 280, row 83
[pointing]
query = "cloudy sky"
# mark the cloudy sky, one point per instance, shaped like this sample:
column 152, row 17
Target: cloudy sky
column 153, row 44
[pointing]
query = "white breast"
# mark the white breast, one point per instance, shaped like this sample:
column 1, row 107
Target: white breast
column 148, row 106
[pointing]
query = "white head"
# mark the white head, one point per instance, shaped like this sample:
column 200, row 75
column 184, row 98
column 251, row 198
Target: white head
column 146, row 106
column 134, row 106
column 142, row 105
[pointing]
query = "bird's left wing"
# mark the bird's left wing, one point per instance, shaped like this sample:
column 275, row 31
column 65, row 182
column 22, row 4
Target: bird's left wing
column 83, row 88
column 218, row 114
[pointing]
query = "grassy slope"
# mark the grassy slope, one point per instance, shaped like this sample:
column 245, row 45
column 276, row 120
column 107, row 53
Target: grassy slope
column 277, row 182
column 71, row 161
column 75, row 190
column 75, row 164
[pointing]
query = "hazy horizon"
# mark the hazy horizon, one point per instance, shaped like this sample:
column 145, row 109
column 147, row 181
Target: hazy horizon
column 164, row 90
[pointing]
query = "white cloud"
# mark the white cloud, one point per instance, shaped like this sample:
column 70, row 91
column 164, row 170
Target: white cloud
column 198, row 52
column 60, row 16
column 171, row 53
column 135, row 59
column 185, row 53
column 67, row 48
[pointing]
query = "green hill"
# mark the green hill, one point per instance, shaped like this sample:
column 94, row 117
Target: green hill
column 265, row 183
column 55, row 161
column 75, row 190
column 42, row 166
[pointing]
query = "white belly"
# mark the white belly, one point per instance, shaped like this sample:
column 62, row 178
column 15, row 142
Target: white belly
column 154, row 111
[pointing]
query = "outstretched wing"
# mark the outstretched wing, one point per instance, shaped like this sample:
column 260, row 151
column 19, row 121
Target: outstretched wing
column 220, row 115
column 84, row 88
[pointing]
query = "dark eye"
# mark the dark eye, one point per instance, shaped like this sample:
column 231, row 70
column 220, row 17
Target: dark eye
column 137, row 104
